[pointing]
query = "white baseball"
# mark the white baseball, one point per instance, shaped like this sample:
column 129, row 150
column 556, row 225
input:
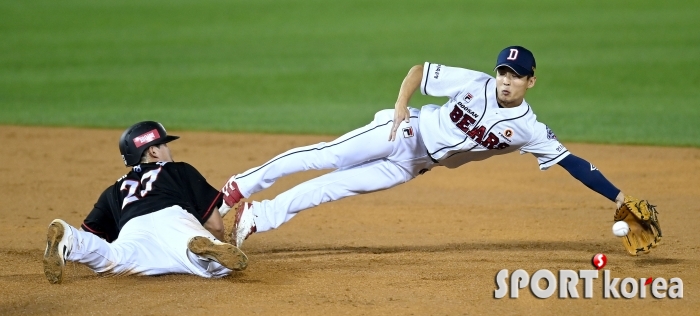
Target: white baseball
column 620, row 229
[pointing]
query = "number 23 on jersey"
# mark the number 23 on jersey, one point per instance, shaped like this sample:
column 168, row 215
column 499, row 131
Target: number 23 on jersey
column 134, row 194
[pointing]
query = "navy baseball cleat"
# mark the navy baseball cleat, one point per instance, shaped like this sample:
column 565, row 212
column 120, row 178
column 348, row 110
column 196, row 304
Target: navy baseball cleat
column 59, row 242
column 244, row 225
column 225, row 254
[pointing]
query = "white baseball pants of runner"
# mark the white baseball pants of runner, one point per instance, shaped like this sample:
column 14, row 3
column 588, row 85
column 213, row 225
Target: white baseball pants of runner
column 364, row 159
column 151, row 244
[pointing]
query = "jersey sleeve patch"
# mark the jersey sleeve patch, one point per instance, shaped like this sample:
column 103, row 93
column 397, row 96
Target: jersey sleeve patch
column 550, row 133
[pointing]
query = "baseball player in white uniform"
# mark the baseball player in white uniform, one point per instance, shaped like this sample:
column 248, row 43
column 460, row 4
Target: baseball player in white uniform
column 484, row 116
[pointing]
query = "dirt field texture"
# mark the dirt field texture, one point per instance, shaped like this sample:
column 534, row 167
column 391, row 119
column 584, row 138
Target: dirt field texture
column 432, row 246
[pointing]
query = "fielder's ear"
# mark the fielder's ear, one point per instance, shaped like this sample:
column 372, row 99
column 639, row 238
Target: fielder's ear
column 531, row 82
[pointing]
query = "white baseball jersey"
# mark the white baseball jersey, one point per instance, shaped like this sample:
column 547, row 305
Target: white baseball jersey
column 471, row 126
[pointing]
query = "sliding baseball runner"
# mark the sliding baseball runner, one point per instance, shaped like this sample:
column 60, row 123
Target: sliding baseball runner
column 161, row 217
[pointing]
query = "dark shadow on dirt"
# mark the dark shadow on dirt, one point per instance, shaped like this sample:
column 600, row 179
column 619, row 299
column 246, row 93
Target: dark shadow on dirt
column 588, row 247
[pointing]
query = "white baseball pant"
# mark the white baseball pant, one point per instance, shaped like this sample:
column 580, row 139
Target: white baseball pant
column 151, row 244
column 364, row 159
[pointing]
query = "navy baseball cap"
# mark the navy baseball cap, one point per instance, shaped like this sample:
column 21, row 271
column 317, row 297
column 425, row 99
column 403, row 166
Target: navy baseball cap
column 517, row 58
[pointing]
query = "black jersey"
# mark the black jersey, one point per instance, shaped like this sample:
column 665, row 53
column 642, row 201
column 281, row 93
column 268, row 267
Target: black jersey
column 148, row 188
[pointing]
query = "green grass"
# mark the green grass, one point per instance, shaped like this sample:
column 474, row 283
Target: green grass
column 608, row 71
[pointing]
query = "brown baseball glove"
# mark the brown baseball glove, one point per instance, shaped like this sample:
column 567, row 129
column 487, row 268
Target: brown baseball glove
column 645, row 232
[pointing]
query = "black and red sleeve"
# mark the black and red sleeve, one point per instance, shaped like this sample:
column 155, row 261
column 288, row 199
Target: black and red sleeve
column 100, row 221
column 205, row 198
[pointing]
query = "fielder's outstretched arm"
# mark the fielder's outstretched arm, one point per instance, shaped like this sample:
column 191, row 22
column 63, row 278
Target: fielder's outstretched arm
column 591, row 177
column 409, row 85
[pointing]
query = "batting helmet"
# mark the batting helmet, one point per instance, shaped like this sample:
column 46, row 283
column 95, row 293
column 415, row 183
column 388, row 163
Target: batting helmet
column 137, row 138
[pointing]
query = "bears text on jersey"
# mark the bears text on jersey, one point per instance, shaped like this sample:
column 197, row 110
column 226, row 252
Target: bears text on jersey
column 463, row 121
